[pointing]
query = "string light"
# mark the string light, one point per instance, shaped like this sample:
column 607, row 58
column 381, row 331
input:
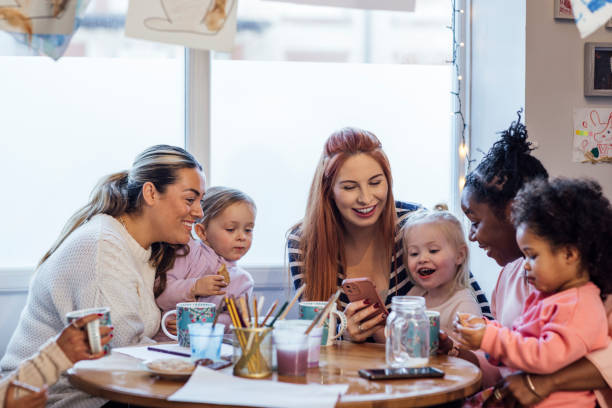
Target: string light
column 462, row 151
column 458, row 112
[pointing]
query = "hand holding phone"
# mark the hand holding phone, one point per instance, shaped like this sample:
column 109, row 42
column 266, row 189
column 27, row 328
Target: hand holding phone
column 357, row 289
column 399, row 373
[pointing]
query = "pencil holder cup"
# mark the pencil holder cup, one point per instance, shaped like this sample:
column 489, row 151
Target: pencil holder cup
column 253, row 352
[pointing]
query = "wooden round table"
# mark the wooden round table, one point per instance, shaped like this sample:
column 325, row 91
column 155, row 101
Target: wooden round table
column 118, row 378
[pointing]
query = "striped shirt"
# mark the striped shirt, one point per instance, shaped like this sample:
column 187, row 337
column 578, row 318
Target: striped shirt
column 399, row 279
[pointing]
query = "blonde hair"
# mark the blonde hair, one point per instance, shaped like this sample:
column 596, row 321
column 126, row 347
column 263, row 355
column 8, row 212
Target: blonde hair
column 453, row 231
column 218, row 199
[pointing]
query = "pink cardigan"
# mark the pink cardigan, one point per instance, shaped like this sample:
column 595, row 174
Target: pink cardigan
column 201, row 261
column 552, row 332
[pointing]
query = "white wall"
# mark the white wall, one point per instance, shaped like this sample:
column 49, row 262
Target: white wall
column 554, row 86
column 497, row 44
column 522, row 56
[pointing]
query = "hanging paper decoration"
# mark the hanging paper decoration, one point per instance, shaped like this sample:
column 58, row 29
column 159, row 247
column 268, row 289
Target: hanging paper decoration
column 592, row 135
column 43, row 16
column 394, row 5
column 52, row 45
column 203, row 24
column 591, row 14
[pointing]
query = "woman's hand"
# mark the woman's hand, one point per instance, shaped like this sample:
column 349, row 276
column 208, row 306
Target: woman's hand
column 471, row 330
column 445, row 343
column 74, row 342
column 358, row 328
column 209, row 285
column 171, row 325
column 31, row 400
column 515, row 387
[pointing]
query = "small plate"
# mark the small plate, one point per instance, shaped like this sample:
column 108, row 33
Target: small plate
column 172, row 375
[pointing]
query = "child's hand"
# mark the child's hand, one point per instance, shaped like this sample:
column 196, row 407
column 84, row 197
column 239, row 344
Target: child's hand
column 471, row 330
column 171, row 325
column 209, row 285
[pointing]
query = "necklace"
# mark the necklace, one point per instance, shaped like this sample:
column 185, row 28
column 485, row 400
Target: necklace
column 122, row 220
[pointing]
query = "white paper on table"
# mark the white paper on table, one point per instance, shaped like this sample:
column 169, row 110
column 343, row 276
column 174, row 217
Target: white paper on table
column 40, row 13
column 143, row 353
column 393, row 5
column 183, row 22
column 590, row 15
column 221, row 388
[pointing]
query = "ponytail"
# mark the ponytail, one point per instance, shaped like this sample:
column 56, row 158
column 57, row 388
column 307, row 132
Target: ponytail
column 108, row 197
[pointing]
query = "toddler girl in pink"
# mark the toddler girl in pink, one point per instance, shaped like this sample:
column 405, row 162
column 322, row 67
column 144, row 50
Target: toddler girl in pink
column 564, row 230
column 226, row 233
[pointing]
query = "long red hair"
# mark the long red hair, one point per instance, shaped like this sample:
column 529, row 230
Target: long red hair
column 322, row 229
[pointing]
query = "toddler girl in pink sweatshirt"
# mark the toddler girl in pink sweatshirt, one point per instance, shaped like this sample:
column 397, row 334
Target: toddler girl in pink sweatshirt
column 564, row 229
column 226, row 233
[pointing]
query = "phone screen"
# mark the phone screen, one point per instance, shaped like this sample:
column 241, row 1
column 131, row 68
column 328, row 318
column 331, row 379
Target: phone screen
column 403, row 372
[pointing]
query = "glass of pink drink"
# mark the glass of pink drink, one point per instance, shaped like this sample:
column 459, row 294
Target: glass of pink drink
column 291, row 352
column 314, row 338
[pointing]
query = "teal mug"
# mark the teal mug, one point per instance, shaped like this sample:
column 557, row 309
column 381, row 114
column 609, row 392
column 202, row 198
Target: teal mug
column 186, row 314
column 309, row 310
column 93, row 328
column 434, row 331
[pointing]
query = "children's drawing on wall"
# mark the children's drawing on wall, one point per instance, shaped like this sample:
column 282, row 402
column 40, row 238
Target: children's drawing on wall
column 591, row 14
column 38, row 16
column 394, row 5
column 592, row 135
column 204, row 24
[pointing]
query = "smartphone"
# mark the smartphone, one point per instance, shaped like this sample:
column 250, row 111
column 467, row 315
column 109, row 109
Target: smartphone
column 398, row 373
column 363, row 288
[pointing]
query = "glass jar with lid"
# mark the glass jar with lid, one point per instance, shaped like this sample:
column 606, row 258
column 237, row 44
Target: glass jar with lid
column 407, row 332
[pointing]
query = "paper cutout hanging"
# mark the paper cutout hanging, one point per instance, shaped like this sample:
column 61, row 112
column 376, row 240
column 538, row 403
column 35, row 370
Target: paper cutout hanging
column 592, row 135
column 591, row 14
column 393, row 5
column 204, row 24
column 52, row 45
column 44, row 16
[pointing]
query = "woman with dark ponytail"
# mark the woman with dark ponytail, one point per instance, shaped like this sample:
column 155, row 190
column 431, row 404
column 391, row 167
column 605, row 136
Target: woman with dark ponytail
column 487, row 200
column 113, row 252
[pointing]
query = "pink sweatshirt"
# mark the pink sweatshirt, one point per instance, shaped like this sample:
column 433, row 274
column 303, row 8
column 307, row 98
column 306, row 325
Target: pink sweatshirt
column 552, row 332
column 507, row 299
column 201, row 261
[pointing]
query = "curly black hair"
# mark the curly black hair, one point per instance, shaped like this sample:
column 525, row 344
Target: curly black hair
column 505, row 168
column 570, row 212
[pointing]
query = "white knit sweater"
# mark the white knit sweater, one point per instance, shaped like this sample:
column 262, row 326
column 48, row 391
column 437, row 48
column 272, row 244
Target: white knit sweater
column 99, row 264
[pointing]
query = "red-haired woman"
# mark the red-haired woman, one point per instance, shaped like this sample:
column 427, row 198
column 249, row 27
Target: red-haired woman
column 350, row 230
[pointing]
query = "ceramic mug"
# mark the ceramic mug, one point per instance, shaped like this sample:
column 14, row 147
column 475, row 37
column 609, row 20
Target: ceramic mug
column 309, row 310
column 93, row 328
column 434, row 331
column 186, row 314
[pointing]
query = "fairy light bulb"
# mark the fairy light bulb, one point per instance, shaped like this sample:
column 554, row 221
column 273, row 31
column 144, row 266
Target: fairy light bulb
column 461, row 183
column 459, row 77
column 462, row 44
column 462, row 150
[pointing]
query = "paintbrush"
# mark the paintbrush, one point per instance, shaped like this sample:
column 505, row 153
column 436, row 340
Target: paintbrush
column 282, row 309
column 269, row 313
column 298, row 293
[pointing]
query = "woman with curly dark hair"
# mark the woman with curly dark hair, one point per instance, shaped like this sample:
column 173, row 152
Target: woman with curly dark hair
column 487, row 201
column 564, row 230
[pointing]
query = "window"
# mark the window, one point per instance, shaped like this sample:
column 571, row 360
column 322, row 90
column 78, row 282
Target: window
column 300, row 72
column 66, row 124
